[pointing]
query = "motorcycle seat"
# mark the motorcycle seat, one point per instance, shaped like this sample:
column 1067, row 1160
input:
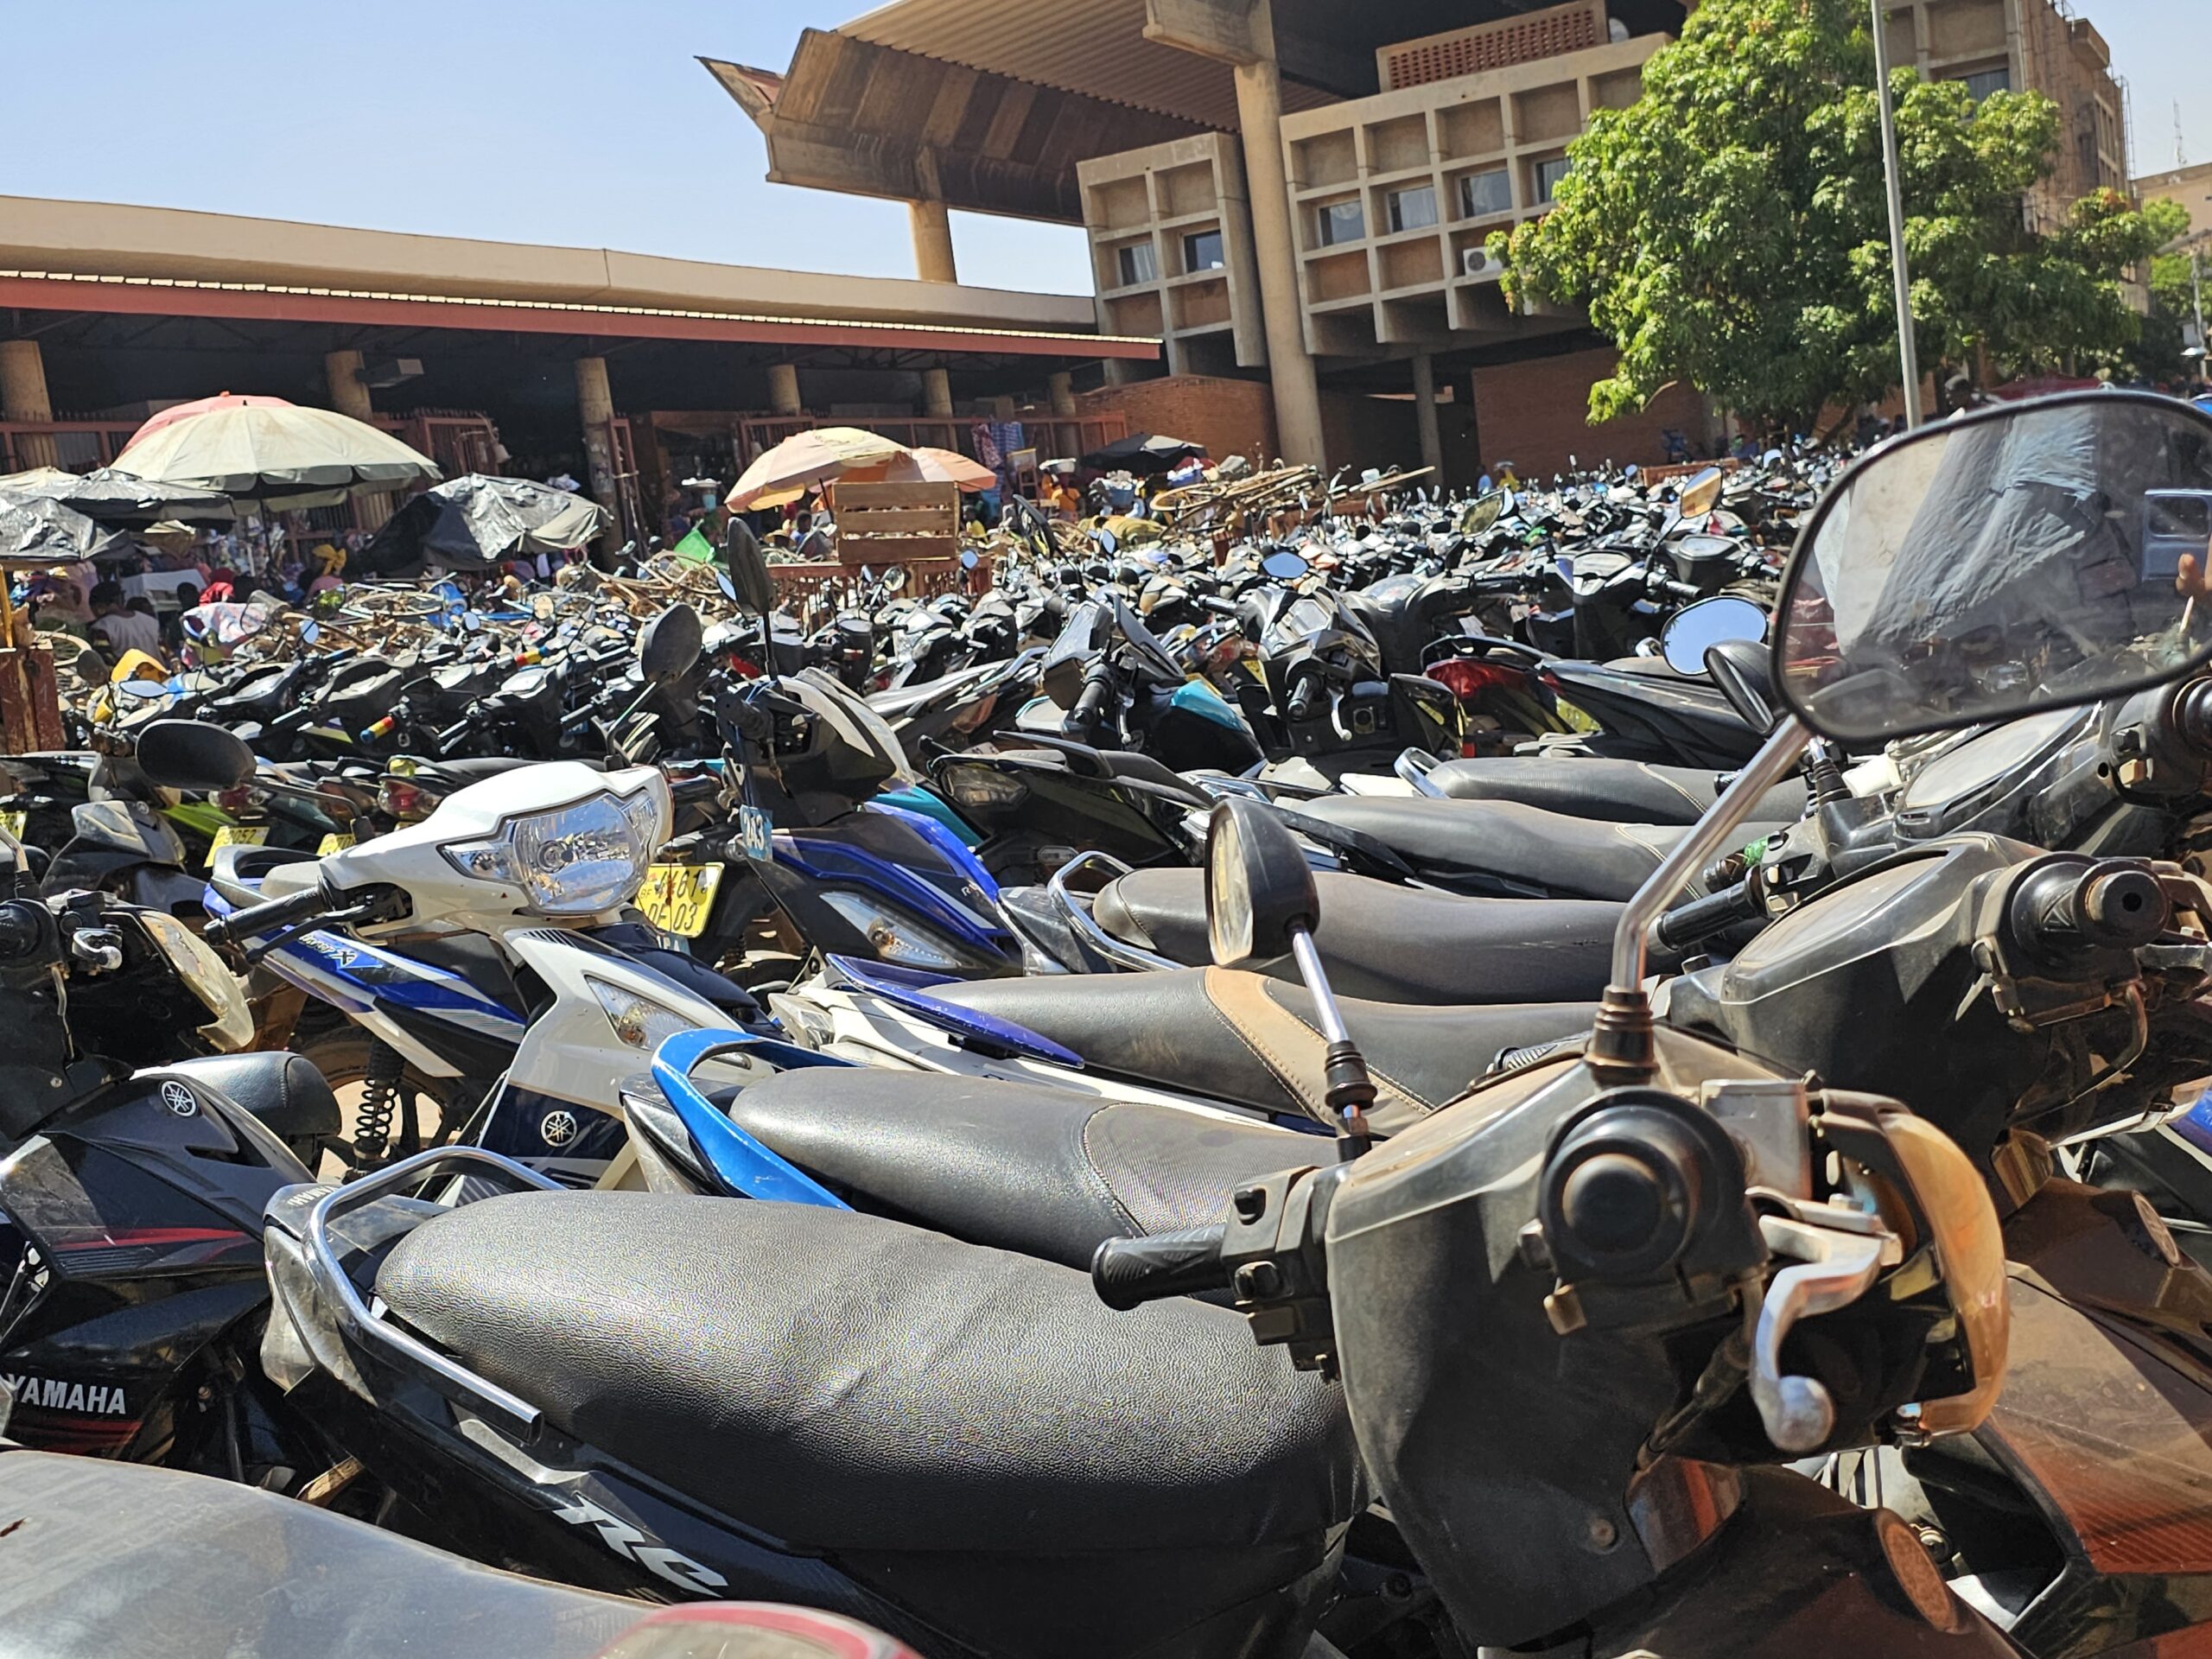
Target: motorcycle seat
column 1394, row 944
column 1628, row 792
column 283, row 1092
column 972, row 1429
column 1254, row 1041
column 1043, row 1172
column 1514, row 848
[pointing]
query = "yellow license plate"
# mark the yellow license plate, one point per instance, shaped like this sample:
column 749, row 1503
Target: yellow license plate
column 237, row 835
column 679, row 898
column 333, row 843
column 14, row 823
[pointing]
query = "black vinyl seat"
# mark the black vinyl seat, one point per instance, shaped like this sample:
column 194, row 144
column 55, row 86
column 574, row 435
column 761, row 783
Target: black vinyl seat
column 1254, row 1041
column 1045, row 1172
column 1621, row 791
column 972, row 1430
column 1512, row 848
column 283, row 1092
column 1395, row 944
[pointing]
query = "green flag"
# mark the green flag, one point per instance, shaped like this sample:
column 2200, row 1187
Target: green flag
column 696, row 547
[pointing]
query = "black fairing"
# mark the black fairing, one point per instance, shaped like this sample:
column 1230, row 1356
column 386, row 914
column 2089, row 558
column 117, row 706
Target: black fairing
column 1507, row 1453
column 1881, row 984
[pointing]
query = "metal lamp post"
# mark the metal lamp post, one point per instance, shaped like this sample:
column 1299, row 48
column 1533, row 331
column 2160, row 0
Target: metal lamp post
column 1908, row 349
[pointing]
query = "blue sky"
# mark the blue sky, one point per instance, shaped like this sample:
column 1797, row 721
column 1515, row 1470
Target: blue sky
column 578, row 121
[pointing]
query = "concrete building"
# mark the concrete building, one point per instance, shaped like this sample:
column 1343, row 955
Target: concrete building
column 2190, row 186
column 1294, row 195
column 631, row 372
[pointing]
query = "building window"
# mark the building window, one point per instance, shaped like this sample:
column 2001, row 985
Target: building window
column 1202, row 250
column 1138, row 264
column 1549, row 173
column 1481, row 195
column 1341, row 221
column 1414, row 209
column 1981, row 85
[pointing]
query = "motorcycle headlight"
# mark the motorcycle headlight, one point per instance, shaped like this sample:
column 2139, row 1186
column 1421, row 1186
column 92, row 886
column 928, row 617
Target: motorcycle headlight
column 215, row 985
column 639, row 1022
column 578, row 860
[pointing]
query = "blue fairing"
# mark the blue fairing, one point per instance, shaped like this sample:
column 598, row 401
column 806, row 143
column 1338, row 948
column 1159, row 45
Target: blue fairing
column 961, row 853
column 1197, row 698
column 909, row 988
column 745, row 1168
column 933, row 807
column 912, row 864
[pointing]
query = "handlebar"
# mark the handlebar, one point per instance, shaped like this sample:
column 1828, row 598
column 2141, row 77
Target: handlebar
column 1215, row 604
column 269, row 917
column 1127, row 1272
column 1082, row 719
column 1687, row 924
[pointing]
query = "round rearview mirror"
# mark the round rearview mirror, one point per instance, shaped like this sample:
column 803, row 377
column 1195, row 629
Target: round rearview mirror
column 722, row 582
column 1696, row 629
column 1485, row 510
column 1259, row 886
column 1700, row 491
column 895, row 579
column 670, row 645
column 969, row 560
column 2030, row 556
column 90, row 665
column 1283, row 565
column 543, row 607
column 1109, row 542
column 310, row 631
column 472, row 621
column 191, row 754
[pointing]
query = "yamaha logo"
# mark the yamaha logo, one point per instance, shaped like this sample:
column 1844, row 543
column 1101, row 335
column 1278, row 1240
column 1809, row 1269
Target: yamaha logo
column 558, row 1128
column 179, row 1100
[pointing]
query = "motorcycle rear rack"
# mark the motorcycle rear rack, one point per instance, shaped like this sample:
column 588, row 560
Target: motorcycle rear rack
column 1080, row 922
column 446, row 1375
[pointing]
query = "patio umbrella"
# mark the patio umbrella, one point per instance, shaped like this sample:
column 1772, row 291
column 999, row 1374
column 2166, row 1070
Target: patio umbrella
column 474, row 522
column 930, row 466
column 806, row 459
column 1143, row 452
column 276, row 455
column 110, row 497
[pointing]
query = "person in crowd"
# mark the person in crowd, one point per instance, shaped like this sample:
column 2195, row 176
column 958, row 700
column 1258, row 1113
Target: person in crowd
column 330, row 570
column 117, row 628
column 58, row 606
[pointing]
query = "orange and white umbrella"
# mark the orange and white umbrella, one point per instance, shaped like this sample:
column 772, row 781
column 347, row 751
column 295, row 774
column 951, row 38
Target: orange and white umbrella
column 930, row 466
column 808, row 459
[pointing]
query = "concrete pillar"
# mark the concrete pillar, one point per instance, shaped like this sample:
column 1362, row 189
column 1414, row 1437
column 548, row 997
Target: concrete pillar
column 1259, row 114
column 595, row 408
column 1002, row 408
column 23, row 397
column 342, row 372
column 936, row 394
column 1062, row 387
column 1432, row 439
column 932, row 224
column 782, row 388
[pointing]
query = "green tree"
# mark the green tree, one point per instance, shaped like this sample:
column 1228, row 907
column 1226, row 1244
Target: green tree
column 1730, row 229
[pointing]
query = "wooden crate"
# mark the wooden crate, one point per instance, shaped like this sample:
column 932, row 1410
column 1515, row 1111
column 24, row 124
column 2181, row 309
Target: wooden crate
column 896, row 524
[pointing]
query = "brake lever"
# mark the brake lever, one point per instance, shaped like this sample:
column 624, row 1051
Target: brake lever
column 1839, row 1255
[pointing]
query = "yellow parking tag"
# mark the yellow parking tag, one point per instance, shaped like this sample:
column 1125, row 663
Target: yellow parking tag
column 237, row 835
column 679, row 898
column 333, row 843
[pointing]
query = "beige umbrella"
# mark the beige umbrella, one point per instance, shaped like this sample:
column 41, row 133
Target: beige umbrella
column 930, row 466
column 806, row 459
column 276, row 455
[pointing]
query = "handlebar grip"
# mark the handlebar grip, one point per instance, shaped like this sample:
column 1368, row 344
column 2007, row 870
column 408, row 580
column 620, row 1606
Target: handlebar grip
column 452, row 735
column 1218, row 605
column 1686, row 925
column 1303, row 696
column 1083, row 717
column 277, row 913
column 703, row 787
column 1127, row 1272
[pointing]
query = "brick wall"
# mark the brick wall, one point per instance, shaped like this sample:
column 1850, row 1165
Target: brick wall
column 1229, row 417
column 1536, row 414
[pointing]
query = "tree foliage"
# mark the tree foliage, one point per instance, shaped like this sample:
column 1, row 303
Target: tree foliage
column 1731, row 228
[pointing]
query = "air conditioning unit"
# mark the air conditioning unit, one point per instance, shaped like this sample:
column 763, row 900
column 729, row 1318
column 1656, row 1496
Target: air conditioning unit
column 1478, row 263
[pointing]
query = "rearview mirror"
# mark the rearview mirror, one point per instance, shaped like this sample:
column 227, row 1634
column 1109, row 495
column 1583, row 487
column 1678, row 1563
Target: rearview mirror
column 1696, row 629
column 191, row 754
column 750, row 583
column 669, row 644
column 1995, row 566
column 1700, row 491
column 1484, row 512
column 969, row 560
column 1283, row 565
column 1259, row 886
